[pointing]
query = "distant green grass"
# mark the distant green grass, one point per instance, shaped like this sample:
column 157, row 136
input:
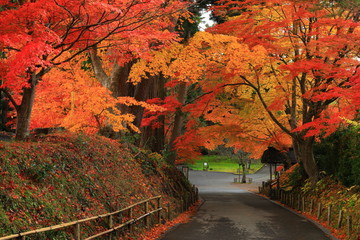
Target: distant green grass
column 223, row 164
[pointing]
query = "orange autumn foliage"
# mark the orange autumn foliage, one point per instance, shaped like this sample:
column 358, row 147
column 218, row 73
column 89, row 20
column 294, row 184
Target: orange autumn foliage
column 76, row 101
column 231, row 110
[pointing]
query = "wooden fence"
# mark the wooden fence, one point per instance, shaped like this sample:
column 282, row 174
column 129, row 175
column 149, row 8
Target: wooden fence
column 336, row 219
column 115, row 221
column 109, row 217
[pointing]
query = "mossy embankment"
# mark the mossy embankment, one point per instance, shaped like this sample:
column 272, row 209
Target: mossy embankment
column 65, row 177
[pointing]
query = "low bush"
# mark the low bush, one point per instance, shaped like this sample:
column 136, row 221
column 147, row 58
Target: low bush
column 339, row 155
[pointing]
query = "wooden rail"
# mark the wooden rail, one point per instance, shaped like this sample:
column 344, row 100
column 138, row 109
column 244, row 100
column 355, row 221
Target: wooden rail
column 111, row 225
column 337, row 220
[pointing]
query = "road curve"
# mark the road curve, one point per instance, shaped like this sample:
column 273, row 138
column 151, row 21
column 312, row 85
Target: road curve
column 231, row 212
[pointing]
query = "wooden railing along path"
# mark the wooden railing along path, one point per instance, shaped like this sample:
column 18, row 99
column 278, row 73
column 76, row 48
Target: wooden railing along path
column 340, row 219
column 116, row 220
column 109, row 217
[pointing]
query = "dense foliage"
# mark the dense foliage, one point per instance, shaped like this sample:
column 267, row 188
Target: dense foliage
column 339, row 155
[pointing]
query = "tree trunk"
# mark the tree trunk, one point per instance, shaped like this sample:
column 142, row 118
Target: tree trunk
column 248, row 165
column 119, row 85
column 4, row 110
column 243, row 180
column 305, row 155
column 155, row 138
column 24, row 110
column 178, row 121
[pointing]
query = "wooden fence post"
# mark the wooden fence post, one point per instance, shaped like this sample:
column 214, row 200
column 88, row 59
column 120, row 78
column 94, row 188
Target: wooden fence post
column 77, row 232
column 349, row 225
column 197, row 194
column 319, row 210
column 311, row 205
column 193, row 195
column 131, row 217
column 339, row 223
column 294, row 201
column 290, row 200
column 159, row 212
column 111, row 225
column 329, row 215
column 169, row 211
column 146, row 219
column 303, row 204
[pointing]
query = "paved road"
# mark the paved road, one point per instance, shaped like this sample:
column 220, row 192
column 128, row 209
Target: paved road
column 231, row 212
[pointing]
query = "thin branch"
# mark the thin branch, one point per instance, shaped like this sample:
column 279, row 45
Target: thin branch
column 276, row 121
column 222, row 86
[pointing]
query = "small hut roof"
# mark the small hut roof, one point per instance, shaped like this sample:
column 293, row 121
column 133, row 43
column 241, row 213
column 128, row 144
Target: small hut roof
column 272, row 155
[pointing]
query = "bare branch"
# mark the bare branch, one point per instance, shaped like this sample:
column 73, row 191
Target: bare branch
column 12, row 100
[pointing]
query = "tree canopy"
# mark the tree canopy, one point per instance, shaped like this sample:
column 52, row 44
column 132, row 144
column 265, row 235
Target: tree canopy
column 275, row 73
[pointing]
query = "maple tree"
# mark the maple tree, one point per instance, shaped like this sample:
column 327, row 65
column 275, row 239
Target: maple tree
column 179, row 63
column 75, row 107
column 291, row 62
column 38, row 35
column 312, row 54
column 170, row 62
column 146, row 87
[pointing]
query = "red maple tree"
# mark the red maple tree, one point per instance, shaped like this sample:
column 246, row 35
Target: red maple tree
column 39, row 34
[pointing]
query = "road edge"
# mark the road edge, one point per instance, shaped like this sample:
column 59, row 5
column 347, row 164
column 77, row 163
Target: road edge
column 322, row 228
column 201, row 202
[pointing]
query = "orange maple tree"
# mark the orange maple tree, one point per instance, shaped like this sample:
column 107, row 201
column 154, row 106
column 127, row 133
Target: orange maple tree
column 279, row 69
column 312, row 54
column 225, row 106
column 80, row 102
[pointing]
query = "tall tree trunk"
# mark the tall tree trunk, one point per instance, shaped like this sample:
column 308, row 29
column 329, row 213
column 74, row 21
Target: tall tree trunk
column 24, row 110
column 178, row 121
column 117, row 83
column 155, row 138
column 305, row 155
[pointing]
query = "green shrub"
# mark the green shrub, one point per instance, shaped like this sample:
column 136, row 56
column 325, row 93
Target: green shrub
column 339, row 155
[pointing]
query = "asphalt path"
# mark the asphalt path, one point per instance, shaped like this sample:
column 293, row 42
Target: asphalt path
column 229, row 211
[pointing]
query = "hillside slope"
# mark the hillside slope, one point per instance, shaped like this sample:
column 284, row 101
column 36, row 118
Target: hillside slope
column 65, row 177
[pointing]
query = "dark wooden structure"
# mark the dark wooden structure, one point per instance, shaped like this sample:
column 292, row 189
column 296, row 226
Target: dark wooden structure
column 272, row 156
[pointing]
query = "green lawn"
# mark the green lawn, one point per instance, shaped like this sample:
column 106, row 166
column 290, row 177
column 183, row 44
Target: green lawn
column 223, row 164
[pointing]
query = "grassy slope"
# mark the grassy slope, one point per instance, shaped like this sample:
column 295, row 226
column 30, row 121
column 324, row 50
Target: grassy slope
column 61, row 178
column 222, row 164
